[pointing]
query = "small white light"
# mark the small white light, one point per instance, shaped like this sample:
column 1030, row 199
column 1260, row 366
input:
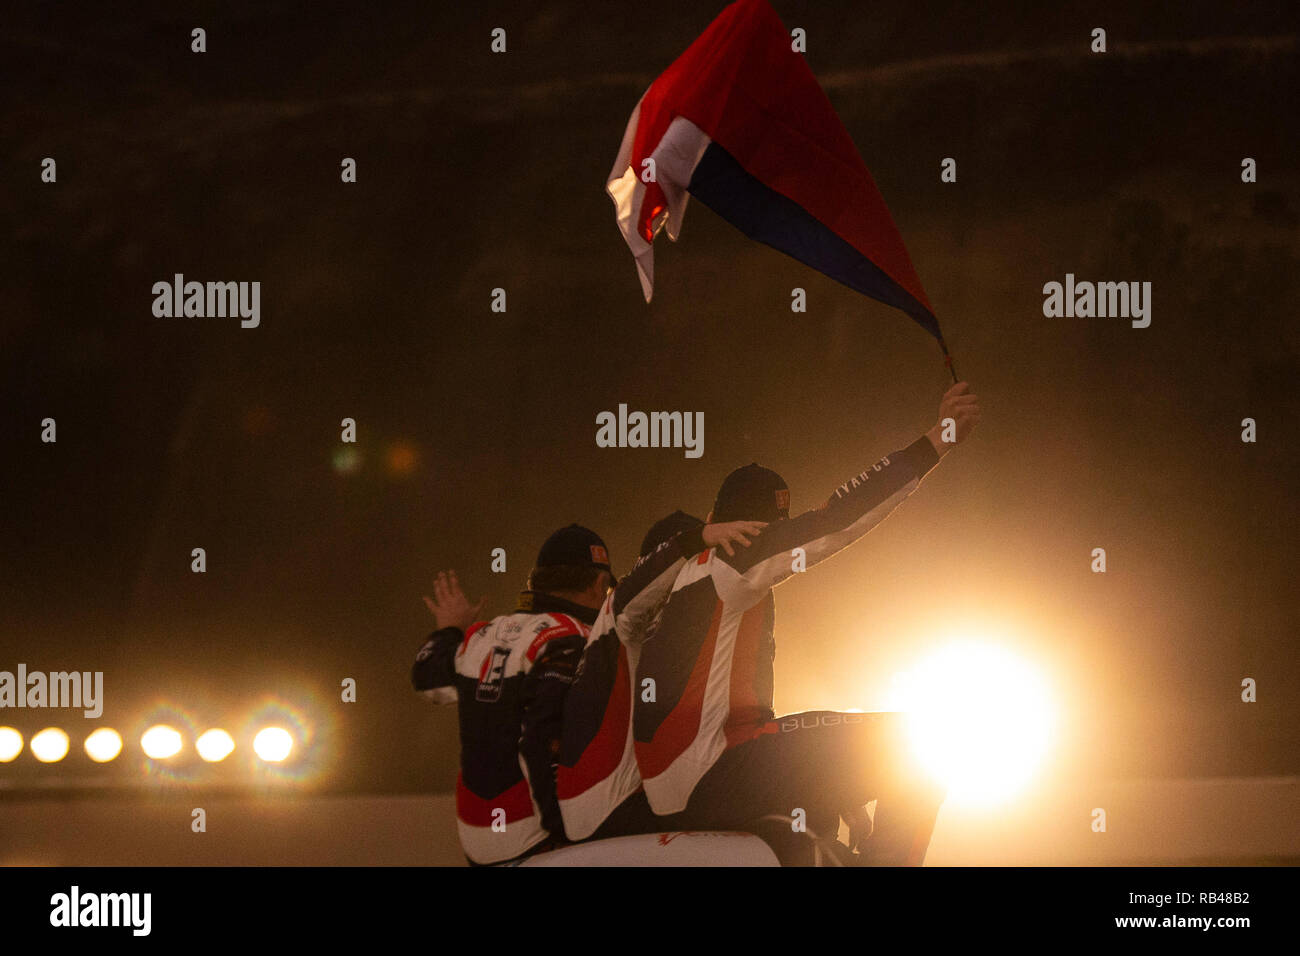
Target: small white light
column 273, row 744
column 50, row 745
column 160, row 742
column 214, row 745
column 11, row 744
column 103, row 745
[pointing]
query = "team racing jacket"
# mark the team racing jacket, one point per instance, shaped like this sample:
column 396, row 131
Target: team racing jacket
column 711, row 654
column 598, row 768
column 508, row 677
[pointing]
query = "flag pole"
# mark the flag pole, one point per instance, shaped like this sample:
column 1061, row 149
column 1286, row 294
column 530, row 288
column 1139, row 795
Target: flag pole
column 947, row 360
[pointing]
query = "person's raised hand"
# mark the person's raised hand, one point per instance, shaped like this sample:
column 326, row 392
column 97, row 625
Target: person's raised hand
column 449, row 605
column 962, row 406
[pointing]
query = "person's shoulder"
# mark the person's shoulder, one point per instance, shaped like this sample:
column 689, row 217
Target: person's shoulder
column 476, row 632
column 700, row 566
column 555, row 624
column 547, row 628
column 528, row 628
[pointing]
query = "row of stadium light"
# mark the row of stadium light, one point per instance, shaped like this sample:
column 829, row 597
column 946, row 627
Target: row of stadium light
column 159, row 742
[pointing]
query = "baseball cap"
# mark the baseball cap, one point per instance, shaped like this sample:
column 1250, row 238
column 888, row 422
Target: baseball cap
column 665, row 528
column 574, row 545
column 752, row 493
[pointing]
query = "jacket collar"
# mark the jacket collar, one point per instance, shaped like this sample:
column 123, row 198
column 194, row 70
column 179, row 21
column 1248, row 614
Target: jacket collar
column 539, row 602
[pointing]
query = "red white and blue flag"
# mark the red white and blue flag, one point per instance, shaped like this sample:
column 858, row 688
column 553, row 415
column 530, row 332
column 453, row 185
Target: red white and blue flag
column 739, row 122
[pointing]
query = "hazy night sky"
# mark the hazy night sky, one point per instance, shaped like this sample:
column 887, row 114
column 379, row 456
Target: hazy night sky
column 478, row 171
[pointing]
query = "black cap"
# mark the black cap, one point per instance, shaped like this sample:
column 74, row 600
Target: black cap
column 574, row 546
column 752, row 493
column 665, row 528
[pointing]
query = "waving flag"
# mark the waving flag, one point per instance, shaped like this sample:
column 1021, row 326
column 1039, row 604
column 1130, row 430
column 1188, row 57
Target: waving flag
column 740, row 122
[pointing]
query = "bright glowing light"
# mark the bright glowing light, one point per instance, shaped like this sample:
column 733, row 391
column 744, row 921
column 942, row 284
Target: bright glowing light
column 979, row 719
column 214, row 745
column 50, row 745
column 11, row 744
column 273, row 744
column 160, row 742
column 103, row 745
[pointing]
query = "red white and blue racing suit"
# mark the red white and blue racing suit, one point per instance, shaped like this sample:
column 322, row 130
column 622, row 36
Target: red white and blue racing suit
column 508, row 677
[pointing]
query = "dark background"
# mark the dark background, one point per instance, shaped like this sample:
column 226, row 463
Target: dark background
column 479, row 170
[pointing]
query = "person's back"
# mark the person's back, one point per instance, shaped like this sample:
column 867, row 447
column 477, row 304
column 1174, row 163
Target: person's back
column 597, row 779
column 508, row 677
column 496, row 666
column 710, row 659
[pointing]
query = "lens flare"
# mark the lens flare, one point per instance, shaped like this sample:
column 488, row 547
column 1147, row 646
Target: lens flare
column 273, row 744
column 165, row 759
column 50, row 745
column 401, row 459
column 103, row 745
column 215, row 745
column 11, row 744
column 347, row 460
column 304, row 718
column 160, row 742
column 978, row 718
